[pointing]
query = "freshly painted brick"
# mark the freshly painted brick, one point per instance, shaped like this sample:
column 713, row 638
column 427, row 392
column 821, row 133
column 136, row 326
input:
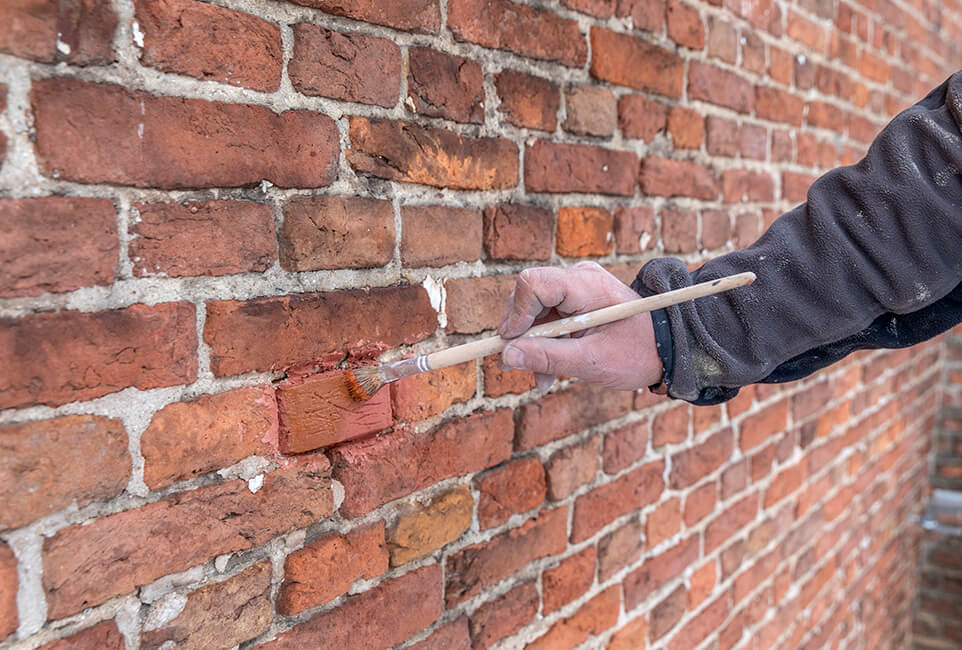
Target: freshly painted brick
column 584, row 232
column 500, row 618
column 627, row 61
column 407, row 15
column 426, row 394
column 558, row 167
column 444, row 85
column 97, row 133
column 56, row 244
column 67, row 356
column 518, row 232
column 528, row 101
column 571, row 578
column 476, row 304
column 564, row 413
column 610, row 501
column 436, row 235
column 515, row 487
column 422, row 529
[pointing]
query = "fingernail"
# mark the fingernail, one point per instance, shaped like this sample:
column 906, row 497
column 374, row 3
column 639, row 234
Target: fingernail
column 544, row 382
column 513, row 357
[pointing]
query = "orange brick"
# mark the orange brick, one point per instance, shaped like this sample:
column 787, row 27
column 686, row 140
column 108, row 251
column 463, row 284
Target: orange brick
column 663, row 522
column 427, row 394
column 515, row 487
column 567, row 581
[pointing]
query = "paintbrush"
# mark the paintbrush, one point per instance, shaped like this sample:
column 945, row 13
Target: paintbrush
column 363, row 383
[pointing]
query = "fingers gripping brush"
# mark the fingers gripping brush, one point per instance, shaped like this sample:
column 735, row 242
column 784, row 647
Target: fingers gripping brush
column 363, row 383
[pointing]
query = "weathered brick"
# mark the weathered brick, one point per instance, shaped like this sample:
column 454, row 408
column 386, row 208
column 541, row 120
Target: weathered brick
column 784, row 484
column 313, row 324
column 561, row 167
column 499, row 382
column 806, row 32
column 327, row 567
column 453, row 636
column 610, row 501
column 56, row 244
column 717, row 86
column 795, row 186
column 753, row 52
column 759, row 427
column 436, row 235
column 764, row 14
column 663, row 522
column 715, row 231
column 646, row 15
column 516, row 487
column 584, row 232
column 631, row 636
column 700, row 502
column 671, row 426
column 747, row 229
column 640, row 117
column 627, row 61
column 422, row 529
column 727, row 523
column 564, row 583
column 483, row 565
column 679, row 231
column 659, row 570
column 781, row 65
column 379, row 470
column 444, row 85
column 9, row 618
column 407, row 15
column 84, row 27
column 222, row 614
column 687, row 127
column 571, row 467
column 347, row 66
column 523, row 29
column 331, row 232
column 625, row 446
column 518, row 232
column 722, row 136
column 691, row 465
column 528, row 101
column 211, row 43
column 634, row 229
column 722, row 40
column 426, row 394
column 67, row 356
column 594, row 617
column 560, row 414
column 504, row 616
column 382, row 616
column 476, row 304
column 596, row 8
column 685, row 26
column 103, row 636
column 99, row 133
column 202, row 238
column 86, row 565
column 778, row 105
column 402, row 151
column 666, row 613
column 664, row 177
column 591, row 110
column 3, row 137
column 743, row 185
column 700, row 627
column 619, row 548
column 703, row 581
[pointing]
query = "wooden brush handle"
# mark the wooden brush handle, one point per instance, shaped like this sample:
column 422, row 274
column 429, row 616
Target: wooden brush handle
column 495, row 344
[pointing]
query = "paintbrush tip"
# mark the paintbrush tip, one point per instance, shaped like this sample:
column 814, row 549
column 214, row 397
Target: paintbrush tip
column 362, row 383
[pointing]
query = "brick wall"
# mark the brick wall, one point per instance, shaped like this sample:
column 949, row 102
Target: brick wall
column 202, row 205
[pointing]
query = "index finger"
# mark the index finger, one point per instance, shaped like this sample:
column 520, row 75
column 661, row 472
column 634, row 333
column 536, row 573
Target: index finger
column 536, row 290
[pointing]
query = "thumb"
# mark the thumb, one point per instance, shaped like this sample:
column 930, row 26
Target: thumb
column 565, row 357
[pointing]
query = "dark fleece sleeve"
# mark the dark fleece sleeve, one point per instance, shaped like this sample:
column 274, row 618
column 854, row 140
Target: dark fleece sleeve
column 873, row 258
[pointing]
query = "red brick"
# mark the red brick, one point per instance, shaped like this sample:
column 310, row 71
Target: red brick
column 222, row 614
column 430, row 393
column 717, row 86
column 685, row 26
column 68, row 356
column 744, row 185
column 610, row 501
column 571, row 467
column 483, row 565
column 528, row 101
column 698, row 628
column 806, row 32
column 3, row 108
column 630, row 636
column 423, row 528
column 596, row 8
column 504, row 616
column 753, row 52
column 56, row 244
column 210, row 43
column 619, row 549
column 327, row 567
column 778, row 106
column 518, row 232
column 560, row 167
column 663, row 522
column 34, row 28
column 103, row 636
column 735, row 478
column 715, row 231
column 563, row 413
column 825, row 115
column 591, row 110
column 84, row 565
column 747, row 229
column 568, row 581
column 759, row 427
column 648, row 15
column 402, row 151
column 679, row 231
column 641, row 118
column 382, row 616
column 753, row 141
column 658, row 570
column 784, row 484
column 499, row 382
column 666, row 613
column 691, row 465
column 795, row 186
column 722, row 136
column 9, row 619
column 407, row 15
column 628, row 61
column 444, row 85
column 383, row 469
column 730, row 521
column 634, row 229
column 781, row 65
column 98, row 133
column 873, row 66
column 437, row 235
column 523, row 29
column 513, row 488
column 671, row 426
column 476, row 304
column 764, row 14
column 453, row 636
column 584, row 232
column 700, row 502
column 722, row 40
column 664, row 177
column 202, row 238
column 625, row 445
column 703, row 582
column 687, row 128
column 351, row 67
column 595, row 616
column 211, row 432
column 314, row 325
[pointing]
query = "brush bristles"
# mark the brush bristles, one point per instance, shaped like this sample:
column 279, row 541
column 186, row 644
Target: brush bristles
column 362, row 383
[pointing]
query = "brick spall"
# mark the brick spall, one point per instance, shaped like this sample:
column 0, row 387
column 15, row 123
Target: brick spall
column 206, row 207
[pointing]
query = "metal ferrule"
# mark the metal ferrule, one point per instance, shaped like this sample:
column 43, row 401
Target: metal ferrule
column 401, row 369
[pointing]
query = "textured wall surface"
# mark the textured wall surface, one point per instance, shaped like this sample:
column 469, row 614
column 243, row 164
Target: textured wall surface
column 204, row 204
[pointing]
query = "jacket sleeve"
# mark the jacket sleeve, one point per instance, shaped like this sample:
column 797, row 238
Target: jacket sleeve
column 873, row 258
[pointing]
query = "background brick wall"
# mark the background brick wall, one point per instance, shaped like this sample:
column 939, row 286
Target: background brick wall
column 203, row 204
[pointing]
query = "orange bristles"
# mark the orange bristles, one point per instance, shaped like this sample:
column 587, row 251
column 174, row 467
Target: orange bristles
column 362, row 383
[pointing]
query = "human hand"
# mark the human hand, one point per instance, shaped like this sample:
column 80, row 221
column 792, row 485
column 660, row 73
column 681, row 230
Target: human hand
column 619, row 355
